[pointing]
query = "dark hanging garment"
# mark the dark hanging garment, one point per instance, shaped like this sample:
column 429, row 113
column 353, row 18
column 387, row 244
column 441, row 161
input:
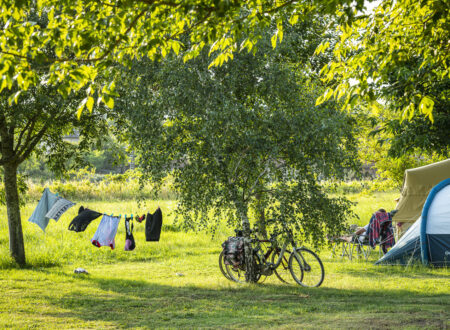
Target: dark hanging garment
column 130, row 244
column 83, row 219
column 153, row 226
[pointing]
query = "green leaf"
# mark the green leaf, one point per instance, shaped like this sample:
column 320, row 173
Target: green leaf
column 14, row 97
column 320, row 100
column 109, row 101
column 294, row 19
column 176, row 47
column 426, row 107
column 80, row 108
column 273, row 40
column 90, row 103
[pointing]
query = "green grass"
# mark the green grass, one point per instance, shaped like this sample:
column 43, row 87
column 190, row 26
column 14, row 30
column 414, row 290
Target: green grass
column 141, row 288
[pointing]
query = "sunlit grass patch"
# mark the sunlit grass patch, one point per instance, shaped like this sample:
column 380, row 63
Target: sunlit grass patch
column 177, row 282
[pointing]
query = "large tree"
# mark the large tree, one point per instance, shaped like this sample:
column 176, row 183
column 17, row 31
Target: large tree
column 401, row 47
column 243, row 136
column 398, row 55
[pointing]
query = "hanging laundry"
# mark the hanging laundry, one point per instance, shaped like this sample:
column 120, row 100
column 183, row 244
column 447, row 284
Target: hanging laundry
column 46, row 202
column 61, row 206
column 83, row 219
column 153, row 226
column 140, row 218
column 130, row 244
column 106, row 232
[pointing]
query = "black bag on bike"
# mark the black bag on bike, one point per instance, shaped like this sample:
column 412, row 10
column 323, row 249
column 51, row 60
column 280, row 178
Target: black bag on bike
column 233, row 251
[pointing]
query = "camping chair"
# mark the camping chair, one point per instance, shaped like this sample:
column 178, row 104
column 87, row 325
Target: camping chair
column 380, row 233
column 360, row 247
column 351, row 246
column 342, row 246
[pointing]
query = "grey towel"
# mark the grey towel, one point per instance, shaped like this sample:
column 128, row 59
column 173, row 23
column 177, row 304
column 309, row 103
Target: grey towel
column 61, row 206
column 46, row 202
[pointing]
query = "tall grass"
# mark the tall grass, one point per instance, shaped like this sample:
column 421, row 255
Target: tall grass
column 86, row 185
column 128, row 187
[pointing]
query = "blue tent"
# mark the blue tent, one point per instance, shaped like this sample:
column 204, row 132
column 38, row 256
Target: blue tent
column 428, row 239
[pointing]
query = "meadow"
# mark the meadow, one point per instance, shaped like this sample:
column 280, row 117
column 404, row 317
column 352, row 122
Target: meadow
column 177, row 282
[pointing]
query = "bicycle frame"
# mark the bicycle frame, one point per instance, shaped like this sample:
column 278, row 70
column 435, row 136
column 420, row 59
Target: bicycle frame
column 297, row 255
column 280, row 257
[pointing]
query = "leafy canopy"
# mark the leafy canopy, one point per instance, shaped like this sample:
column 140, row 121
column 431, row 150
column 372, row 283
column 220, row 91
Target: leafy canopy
column 399, row 54
column 69, row 43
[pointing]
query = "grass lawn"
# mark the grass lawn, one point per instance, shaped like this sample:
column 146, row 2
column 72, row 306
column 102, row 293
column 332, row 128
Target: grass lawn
column 142, row 288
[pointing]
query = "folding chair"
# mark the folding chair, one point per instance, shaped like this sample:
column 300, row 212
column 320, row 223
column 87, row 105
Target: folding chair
column 380, row 233
column 360, row 247
column 343, row 244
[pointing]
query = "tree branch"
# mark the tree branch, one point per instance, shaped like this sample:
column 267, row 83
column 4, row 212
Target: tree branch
column 28, row 139
column 25, row 152
column 256, row 181
column 31, row 122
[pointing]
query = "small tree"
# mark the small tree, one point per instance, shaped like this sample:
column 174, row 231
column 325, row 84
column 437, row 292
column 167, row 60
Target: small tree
column 36, row 122
column 245, row 135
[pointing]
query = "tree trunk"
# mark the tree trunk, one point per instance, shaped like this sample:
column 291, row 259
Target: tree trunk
column 251, row 273
column 261, row 216
column 16, row 246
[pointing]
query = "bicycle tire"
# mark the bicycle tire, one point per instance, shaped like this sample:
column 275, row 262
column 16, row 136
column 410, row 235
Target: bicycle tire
column 237, row 273
column 310, row 267
column 222, row 267
column 283, row 271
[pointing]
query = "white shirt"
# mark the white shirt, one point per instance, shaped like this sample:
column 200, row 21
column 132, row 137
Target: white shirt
column 362, row 237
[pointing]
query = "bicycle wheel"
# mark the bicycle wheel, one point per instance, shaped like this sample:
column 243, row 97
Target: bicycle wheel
column 222, row 267
column 282, row 271
column 258, row 264
column 237, row 273
column 307, row 270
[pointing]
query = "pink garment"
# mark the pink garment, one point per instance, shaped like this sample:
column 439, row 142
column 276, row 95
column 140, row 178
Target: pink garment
column 106, row 232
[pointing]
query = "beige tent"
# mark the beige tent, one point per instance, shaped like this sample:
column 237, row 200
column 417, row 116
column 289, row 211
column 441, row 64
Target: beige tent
column 416, row 186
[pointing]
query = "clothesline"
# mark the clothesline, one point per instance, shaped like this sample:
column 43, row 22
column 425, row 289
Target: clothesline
column 51, row 206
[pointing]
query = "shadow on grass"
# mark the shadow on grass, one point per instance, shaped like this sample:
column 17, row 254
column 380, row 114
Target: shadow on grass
column 135, row 303
column 9, row 263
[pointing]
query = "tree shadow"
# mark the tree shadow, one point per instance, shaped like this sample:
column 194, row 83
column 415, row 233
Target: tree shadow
column 138, row 303
column 9, row 263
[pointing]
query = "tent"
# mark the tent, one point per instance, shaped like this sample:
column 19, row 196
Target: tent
column 428, row 239
column 416, row 187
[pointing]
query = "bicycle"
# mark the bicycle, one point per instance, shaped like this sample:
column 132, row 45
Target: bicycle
column 303, row 265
